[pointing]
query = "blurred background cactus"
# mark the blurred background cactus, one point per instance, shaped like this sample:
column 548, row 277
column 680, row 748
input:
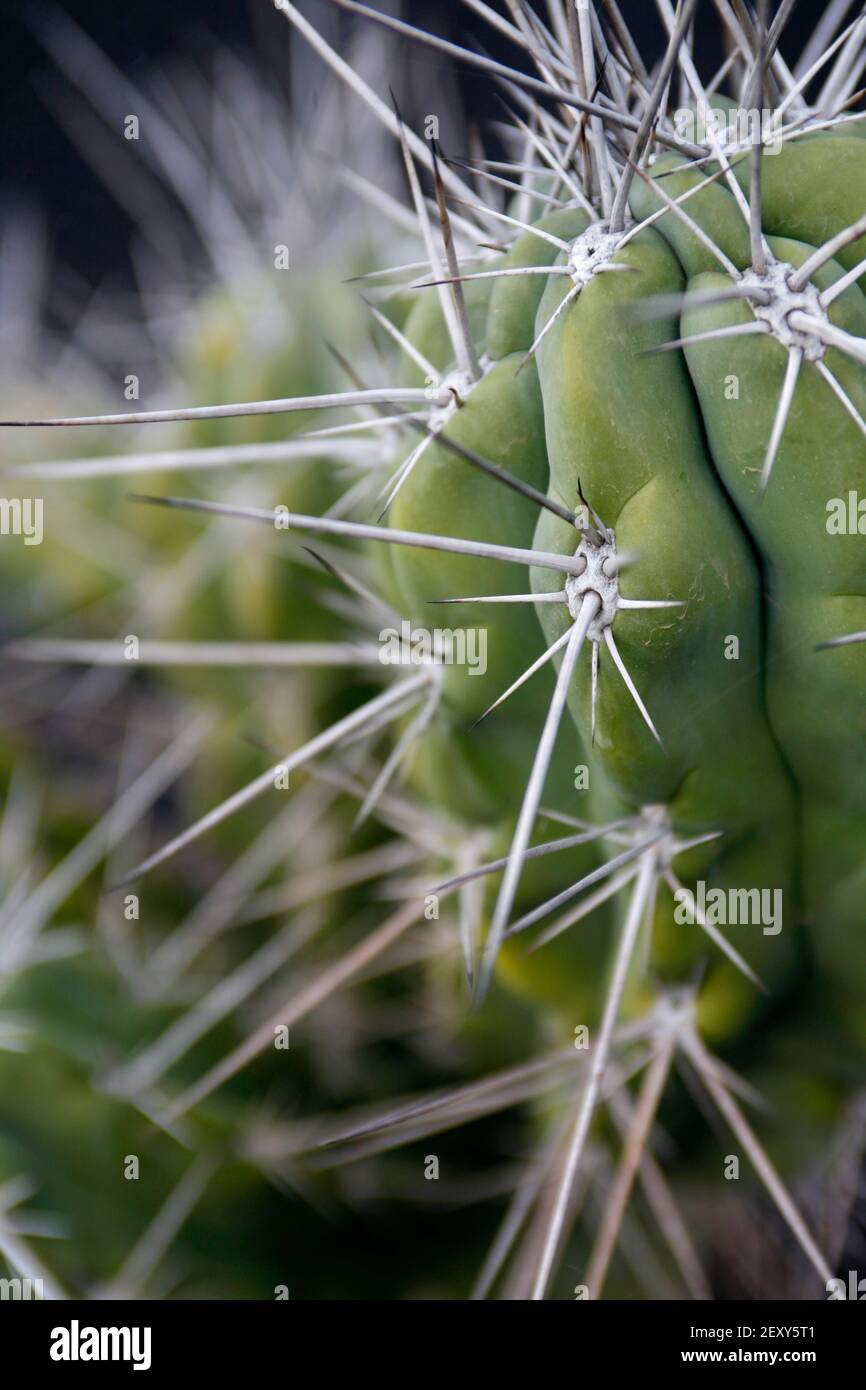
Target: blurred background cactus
column 269, row 1022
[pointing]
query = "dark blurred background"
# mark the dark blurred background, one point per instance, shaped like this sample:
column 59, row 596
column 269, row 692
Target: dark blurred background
column 88, row 230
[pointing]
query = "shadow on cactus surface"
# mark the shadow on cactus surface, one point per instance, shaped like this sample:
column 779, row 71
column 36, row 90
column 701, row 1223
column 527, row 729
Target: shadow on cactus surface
column 434, row 848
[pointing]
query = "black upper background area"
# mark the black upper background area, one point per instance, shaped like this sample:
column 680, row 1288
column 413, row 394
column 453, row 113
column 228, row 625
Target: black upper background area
column 89, row 231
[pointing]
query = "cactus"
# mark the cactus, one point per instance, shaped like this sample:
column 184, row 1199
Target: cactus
column 623, row 436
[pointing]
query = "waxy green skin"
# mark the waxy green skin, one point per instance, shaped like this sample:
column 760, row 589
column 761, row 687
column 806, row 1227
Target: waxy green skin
column 815, row 577
column 481, row 773
column 501, row 419
column 703, row 784
column 514, row 300
column 671, row 464
column 812, row 188
column 645, row 471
